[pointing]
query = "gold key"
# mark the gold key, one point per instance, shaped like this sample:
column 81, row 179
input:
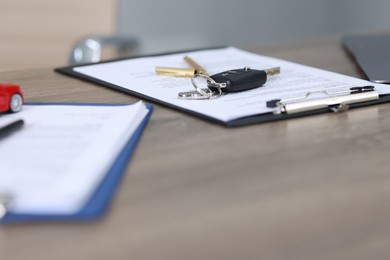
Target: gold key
column 199, row 69
column 175, row 72
column 182, row 72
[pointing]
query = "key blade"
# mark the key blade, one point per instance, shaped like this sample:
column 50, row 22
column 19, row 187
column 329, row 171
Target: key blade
column 272, row 71
column 175, row 72
column 195, row 65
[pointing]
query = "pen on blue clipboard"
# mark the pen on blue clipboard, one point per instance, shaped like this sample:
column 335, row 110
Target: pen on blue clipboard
column 5, row 131
column 11, row 128
column 5, row 203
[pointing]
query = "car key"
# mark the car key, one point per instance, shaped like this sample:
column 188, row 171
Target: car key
column 229, row 81
column 243, row 79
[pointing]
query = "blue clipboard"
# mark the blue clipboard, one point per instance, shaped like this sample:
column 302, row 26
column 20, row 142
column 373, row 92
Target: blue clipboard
column 100, row 199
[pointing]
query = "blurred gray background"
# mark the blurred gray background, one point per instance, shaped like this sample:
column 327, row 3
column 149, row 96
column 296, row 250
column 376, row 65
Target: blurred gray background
column 179, row 24
column 47, row 33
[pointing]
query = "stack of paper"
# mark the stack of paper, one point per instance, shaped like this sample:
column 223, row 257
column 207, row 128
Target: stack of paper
column 67, row 159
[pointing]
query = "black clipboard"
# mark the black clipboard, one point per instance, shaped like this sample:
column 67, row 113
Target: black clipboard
column 243, row 121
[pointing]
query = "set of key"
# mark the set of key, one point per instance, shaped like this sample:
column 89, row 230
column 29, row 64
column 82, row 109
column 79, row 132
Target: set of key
column 214, row 86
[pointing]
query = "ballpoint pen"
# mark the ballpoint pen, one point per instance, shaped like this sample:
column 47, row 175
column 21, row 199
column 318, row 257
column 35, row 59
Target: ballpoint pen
column 5, row 201
column 11, row 128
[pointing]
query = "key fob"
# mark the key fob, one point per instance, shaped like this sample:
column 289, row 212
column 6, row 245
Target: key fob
column 240, row 79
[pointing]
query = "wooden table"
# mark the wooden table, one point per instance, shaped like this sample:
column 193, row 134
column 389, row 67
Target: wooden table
column 308, row 188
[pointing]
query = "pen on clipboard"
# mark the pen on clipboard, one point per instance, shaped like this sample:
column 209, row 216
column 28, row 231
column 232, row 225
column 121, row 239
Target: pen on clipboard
column 11, row 128
column 5, row 197
column 5, row 203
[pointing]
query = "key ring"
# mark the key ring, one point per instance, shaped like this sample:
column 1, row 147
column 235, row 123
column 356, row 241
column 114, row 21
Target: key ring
column 208, row 93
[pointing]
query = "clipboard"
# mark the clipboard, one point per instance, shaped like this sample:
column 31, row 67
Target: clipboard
column 100, row 199
column 241, row 121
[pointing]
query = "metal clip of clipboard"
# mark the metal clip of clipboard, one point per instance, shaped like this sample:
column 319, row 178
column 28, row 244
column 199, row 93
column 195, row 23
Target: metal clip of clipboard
column 337, row 102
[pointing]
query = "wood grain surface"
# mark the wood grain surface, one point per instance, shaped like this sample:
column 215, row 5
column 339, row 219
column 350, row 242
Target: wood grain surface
column 41, row 33
column 309, row 188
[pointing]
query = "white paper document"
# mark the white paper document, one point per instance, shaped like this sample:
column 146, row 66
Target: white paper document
column 294, row 80
column 56, row 161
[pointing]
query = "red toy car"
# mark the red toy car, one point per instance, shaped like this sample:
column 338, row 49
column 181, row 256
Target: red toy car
column 11, row 98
